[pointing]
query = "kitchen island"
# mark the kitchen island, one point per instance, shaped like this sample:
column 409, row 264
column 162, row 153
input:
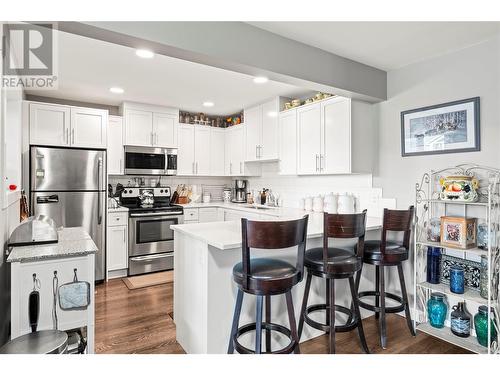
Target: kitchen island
column 75, row 250
column 204, row 291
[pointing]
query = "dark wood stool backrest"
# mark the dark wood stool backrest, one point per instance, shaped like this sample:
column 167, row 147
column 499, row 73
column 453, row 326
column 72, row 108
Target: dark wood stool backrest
column 397, row 221
column 344, row 226
column 273, row 235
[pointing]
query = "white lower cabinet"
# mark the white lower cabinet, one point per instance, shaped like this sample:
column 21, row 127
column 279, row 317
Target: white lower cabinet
column 200, row 215
column 117, row 242
column 236, row 215
column 207, row 215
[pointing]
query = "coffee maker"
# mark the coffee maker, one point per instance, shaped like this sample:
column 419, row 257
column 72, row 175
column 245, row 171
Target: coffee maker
column 240, row 191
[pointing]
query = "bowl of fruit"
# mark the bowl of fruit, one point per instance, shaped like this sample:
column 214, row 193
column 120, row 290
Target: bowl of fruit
column 459, row 188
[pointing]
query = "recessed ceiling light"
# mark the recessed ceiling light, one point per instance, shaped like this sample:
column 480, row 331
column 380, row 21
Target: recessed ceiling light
column 145, row 53
column 117, row 90
column 260, row 79
column 208, row 104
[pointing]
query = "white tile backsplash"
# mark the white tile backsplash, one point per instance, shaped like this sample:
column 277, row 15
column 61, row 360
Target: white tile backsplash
column 290, row 188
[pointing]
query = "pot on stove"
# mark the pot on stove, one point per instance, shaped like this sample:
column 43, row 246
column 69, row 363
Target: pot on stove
column 146, row 198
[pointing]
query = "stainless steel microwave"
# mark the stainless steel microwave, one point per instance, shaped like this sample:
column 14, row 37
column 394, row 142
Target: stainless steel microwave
column 150, row 160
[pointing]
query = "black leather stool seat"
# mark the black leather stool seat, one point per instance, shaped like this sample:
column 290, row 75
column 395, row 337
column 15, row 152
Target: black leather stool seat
column 268, row 271
column 394, row 252
column 339, row 261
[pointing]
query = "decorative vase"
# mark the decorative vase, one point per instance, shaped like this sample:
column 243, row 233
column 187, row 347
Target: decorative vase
column 433, row 264
column 481, row 326
column 434, row 230
column 482, row 236
column 459, row 188
column 460, row 320
column 457, row 279
column 436, row 310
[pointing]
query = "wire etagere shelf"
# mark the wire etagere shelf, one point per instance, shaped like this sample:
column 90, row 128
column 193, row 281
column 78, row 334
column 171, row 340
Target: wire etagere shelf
column 487, row 208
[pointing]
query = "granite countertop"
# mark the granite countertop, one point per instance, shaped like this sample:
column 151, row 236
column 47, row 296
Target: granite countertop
column 72, row 242
column 227, row 234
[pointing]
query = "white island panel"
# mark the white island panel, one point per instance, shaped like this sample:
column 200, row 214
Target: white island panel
column 205, row 293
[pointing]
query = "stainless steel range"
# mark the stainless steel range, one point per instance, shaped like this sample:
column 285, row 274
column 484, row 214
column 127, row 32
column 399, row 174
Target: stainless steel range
column 150, row 238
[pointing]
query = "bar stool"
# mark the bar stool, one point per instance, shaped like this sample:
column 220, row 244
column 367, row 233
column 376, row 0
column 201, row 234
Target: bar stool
column 383, row 254
column 333, row 263
column 265, row 277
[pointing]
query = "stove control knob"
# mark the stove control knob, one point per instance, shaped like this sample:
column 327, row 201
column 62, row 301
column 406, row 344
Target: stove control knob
column 130, row 191
column 124, row 191
column 161, row 191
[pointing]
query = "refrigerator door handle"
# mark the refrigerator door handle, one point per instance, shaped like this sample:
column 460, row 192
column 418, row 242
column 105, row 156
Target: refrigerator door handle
column 99, row 184
column 48, row 199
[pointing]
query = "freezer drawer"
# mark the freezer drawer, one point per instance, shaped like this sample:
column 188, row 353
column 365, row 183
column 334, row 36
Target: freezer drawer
column 76, row 209
column 150, row 263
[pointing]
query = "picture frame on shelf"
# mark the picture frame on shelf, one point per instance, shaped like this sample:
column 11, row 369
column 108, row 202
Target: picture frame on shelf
column 458, row 232
column 443, row 128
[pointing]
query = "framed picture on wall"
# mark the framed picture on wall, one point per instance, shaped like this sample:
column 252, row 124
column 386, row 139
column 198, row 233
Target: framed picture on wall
column 442, row 128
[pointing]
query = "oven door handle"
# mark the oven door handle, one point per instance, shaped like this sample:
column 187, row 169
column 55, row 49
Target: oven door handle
column 173, row 213
column 146, row 258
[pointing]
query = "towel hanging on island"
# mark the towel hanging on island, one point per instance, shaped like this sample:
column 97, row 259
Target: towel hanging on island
column 74, row 295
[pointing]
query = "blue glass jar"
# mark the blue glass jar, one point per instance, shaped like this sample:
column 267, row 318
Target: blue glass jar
column 481, row 326
column 457, row 279
column 433, row 264
column 437, row 310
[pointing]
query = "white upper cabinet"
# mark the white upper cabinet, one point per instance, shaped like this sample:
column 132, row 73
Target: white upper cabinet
column 49, row 124
column 336, row 123
column 149, row 125
column 185, row 154
column 334, row 136
column 202, row 146
column 217, row 151
column 261, row 124
column 270, row 142
column 59, row 125
column 194, row 150
column 288, row 142
column 165, row 129
column 139, row 128
column 253, row 124
column 89, row 127
column 309, row 135
column 115, row 145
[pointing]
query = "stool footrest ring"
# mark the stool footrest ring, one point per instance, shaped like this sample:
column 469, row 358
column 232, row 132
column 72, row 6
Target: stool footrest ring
column 271, row 326
column 352, row 321
column 388, row 309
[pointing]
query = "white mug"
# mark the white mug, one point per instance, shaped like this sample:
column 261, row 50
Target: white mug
column 318, row 204
column 346, row 204
column 330, row 204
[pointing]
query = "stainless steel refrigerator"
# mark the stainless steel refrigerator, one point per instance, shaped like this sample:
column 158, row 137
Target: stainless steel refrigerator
column 68, row 185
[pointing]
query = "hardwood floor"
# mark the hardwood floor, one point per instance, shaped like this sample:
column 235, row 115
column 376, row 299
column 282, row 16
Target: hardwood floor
column 138, row 321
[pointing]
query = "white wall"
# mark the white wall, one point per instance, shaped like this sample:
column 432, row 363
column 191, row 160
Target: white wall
column 474, row 71
column 471, row 72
